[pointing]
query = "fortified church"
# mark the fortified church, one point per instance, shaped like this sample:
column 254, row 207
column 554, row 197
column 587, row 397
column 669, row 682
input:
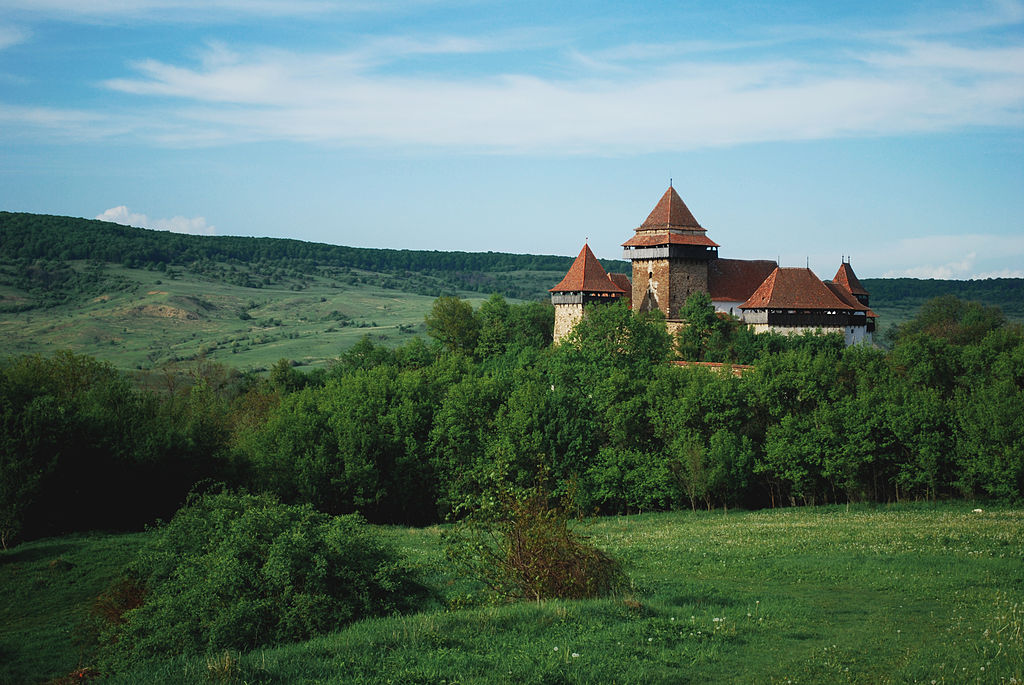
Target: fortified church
column 673, row 258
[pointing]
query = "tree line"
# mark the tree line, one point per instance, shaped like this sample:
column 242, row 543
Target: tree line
column 430, row 430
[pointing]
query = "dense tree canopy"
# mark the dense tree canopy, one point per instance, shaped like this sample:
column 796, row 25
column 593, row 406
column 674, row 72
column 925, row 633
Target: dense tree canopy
column 425, row 431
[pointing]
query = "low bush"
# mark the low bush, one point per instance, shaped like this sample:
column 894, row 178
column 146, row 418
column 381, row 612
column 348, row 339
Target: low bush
column 239, row 571
column 529, row 551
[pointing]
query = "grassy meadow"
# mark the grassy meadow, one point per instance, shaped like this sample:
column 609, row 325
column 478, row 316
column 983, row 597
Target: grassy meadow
column 897, row 594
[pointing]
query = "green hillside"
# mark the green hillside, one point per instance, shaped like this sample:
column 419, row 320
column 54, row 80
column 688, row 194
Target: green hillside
column 137, row 318
column 869, row 594
column 142, row 298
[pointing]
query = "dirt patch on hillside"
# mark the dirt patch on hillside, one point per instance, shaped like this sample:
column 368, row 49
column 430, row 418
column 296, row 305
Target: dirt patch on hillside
column 101, row 298
column 196, row 303
column 157, row 292
column 162, row 311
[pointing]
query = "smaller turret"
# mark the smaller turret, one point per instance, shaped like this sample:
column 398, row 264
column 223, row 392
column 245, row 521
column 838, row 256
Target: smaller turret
column 848, row 280
column 585, row 283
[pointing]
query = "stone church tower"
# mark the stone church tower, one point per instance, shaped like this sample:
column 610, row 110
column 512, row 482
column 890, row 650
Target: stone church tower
column 670, row 254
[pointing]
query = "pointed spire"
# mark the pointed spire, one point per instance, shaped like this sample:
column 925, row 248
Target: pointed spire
column 670, row 212
column 587, row 275
column 846, row 278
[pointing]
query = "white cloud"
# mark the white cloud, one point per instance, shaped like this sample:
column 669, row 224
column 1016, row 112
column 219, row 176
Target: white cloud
column 618, row 100
column 1002, row 273
column 177, row 224
column 982, row 60
column 975, row 17
column 339, row 98
column 958, row 257
column 183, row 10
column 11, row 35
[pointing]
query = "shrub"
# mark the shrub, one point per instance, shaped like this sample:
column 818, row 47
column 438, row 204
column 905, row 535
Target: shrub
column 238, row 571
column 529, row 551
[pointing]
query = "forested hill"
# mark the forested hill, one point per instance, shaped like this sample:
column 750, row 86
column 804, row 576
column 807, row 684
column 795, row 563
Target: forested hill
column 40, row 236
column 1010, row 290
column 29, row 238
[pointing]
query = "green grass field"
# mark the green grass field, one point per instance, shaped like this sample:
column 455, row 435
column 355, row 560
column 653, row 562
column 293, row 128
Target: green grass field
column 900, row 594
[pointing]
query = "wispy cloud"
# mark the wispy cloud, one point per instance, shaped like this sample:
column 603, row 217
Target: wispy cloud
column 176, row 224
column 973, row 256
column 618, row 100
column 183, row 10
column 994, row 14
column 58, row 123
column 338, row 98
column 12, row 35
column 942, row 56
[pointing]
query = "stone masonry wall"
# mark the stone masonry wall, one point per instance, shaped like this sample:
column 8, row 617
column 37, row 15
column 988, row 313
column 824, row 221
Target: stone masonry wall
column 687, row 276
column 641, row 300
column 566, row 316
column 671, row 281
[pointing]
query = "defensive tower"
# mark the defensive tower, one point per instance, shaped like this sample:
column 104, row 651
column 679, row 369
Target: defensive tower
column 670, row 254
column 585, row 283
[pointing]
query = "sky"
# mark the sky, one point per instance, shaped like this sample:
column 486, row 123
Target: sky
column 889, row 133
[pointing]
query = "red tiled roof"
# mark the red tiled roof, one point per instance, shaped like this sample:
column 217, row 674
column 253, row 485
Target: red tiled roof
column 794, row 288
column 846, row 278
column 670, row 212
column 669, row 239
column 622, row 280
column 847, row 297
column 587, row 275
column 735, row 280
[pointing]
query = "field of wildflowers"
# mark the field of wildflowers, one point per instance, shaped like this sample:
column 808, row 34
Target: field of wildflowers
column 898, row 594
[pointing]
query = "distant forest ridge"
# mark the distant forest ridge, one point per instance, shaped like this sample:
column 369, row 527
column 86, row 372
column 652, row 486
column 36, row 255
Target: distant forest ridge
column 1009, row 291
column 41, row 236
column 31, row 237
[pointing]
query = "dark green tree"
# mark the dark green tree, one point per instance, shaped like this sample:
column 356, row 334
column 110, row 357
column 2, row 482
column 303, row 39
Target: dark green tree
column 494, row 326
column 956, row 321
column 701, row 324
column 451, row 322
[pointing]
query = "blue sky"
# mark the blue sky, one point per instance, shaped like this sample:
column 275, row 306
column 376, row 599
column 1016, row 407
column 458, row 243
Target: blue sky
column 890, row 132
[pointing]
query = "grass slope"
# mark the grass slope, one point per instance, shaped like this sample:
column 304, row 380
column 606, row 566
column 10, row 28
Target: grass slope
column 144, row 319
column 48, row 586
column 868, row 595
column 141, row 319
